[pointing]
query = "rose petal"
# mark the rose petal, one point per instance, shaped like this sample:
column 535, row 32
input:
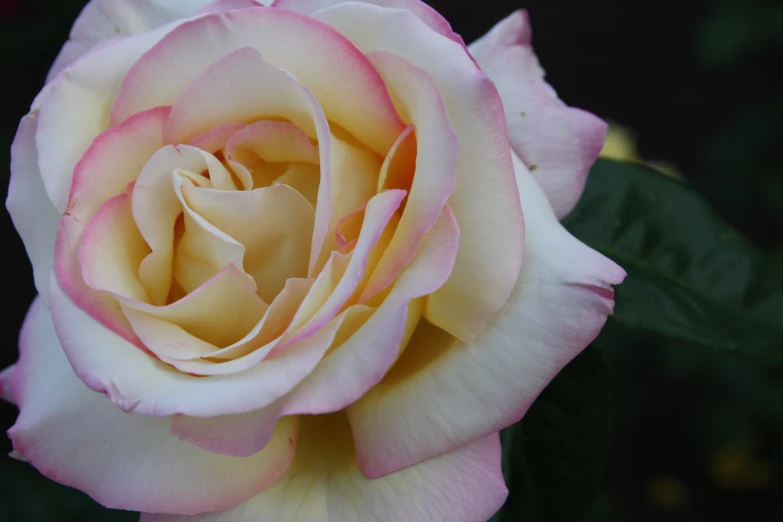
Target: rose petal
column 204, row 250
column 76, row 109
column 112, row 249
column 351, row 93
column 268, row 141
column 136, row 382
column 184, row 350
column 157, row 209
column 399, row 165
column 359, row 363
column 283, row 97
column 32, row 213
column 558, row 144
column 219, row 313
column 484, row 200
column 427, row 14
column 443, row 393
column 353, row 180
column 216, row 138
column 324, row 485
column 240, row 87
column 105, row 19
column 77, row 437
column 436, row 164
column 114, row 160
column 274, row 224
column 239, row 435
column 247, row 433
column 304, row 178
column 378, row 214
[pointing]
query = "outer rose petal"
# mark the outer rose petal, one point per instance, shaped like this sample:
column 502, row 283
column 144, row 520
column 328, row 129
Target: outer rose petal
column 427, row 14
column 557, row 143
column 76, row 109
column 105, row 19
column 484, row 200
column 324, row 485
column 77, row 437
column 34, row 216
column 442, row 393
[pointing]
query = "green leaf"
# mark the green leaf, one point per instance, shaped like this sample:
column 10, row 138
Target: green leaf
column 554, row 459
column 690, row 275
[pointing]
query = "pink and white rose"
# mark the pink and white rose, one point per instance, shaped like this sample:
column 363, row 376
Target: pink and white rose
column 297, row 262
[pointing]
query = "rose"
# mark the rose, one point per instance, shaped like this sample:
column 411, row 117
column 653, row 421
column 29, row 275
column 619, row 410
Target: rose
column 288, row 241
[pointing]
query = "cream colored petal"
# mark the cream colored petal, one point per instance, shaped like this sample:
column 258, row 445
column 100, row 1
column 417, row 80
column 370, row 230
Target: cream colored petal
column 438, row 148
column 360, row 362
column 137, row 382
column 325, row 485
column 354, row 179
column 271, row 141
column 204, row 250
column 33, row 214
column 156, row 210
column 378, row 214
column 347, row 86
column 274, row 224
column 304, row 178
column 240, row 87
column 113, row 161
column 186, row 347
column 443, row 393
column 485, row 199
column 79, row 438
column 399, row 166
column 221, row 312
column 216, row 138
column 236, row 81
column 112, row 249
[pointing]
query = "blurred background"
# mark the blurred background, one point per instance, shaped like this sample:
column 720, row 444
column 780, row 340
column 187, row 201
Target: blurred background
column 695, row 88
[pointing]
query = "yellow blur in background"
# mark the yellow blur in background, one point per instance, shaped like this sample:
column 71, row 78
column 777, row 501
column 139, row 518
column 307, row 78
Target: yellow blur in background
column 620, row 144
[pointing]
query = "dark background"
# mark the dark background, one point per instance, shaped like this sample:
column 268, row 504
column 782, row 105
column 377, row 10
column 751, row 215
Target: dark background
column 700, row 85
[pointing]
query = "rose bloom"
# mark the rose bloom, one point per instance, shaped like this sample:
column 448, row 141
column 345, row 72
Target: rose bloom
column 297, row 262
